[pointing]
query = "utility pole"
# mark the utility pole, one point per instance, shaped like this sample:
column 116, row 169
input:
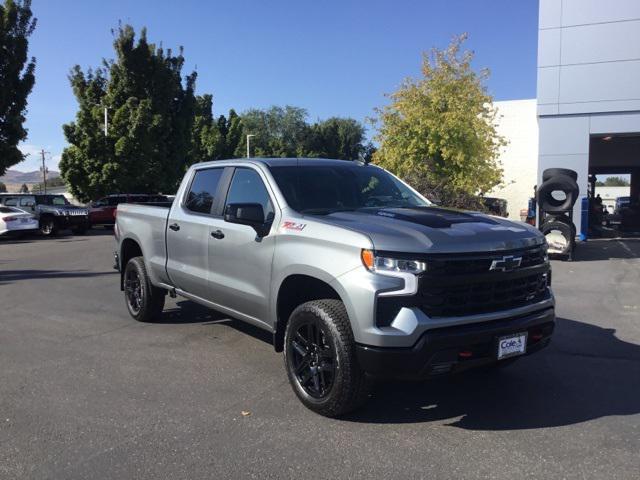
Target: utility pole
column 248, row 143
column 44, row 170
column 106, row 121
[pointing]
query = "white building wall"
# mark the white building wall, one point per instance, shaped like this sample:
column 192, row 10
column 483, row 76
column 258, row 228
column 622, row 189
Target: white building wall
column 518, row 124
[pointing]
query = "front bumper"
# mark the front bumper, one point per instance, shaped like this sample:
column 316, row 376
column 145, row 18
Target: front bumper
column 70, row 221
column 456, row 348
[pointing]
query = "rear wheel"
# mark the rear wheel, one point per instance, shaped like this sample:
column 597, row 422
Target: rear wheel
column 320, row 359
column 144, row 301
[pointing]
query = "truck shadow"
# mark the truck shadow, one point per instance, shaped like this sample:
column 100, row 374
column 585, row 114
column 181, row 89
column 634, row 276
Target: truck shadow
column 586, row 373
column 186, row 312
column 10, row 276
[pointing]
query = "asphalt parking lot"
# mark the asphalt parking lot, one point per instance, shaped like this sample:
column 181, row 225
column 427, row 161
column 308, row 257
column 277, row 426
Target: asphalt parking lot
column 86, row 392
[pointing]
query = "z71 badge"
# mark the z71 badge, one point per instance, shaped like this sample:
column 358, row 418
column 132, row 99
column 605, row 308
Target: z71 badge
column 293, row 226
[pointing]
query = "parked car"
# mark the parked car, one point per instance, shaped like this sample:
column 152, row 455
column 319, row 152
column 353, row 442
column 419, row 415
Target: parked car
column 53, row 212
column 14, row 221
column 103, row 211
column 621, row 202
column 353, row 272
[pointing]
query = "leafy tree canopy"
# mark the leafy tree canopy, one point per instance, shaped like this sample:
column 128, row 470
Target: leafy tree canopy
column 3, row 187
column 152, row 111
column 285, row 132
column 438, row 132
column 613, row 182
column 16, row 77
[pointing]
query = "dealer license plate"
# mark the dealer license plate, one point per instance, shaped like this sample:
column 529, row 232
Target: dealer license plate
column 512, row 345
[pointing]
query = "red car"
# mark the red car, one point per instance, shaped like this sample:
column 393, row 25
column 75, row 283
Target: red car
column 103, row 211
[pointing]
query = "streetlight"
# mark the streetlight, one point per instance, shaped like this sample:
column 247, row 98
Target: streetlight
column 248, row 143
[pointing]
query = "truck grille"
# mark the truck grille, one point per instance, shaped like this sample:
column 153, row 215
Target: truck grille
column 76, row 212
column 485, row 297
column 462, row 285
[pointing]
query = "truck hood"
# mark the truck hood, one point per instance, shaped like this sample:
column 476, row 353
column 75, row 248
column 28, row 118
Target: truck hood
column 435, row 230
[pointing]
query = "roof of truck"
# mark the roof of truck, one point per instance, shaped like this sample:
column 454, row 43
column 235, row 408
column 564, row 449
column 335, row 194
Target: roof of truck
column 292, row 162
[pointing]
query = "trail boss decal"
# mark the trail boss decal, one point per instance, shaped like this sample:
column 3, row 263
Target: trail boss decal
column 293, row 226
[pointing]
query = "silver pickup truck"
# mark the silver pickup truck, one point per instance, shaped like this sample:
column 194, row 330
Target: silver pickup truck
column 355, row 274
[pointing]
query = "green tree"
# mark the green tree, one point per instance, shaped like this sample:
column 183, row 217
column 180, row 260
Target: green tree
column 16, row 77
column 207, row 141
column 616, row 182
column 3, row 187
column 24, row 188
column 279, row 132
column 285, row 132
column 336, row 138
column 438, row 132
column 151, row 110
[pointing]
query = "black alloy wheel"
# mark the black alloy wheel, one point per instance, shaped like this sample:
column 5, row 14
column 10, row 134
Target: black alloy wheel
column 133, row 290
column 144, row 301
column 320, row 358
column 313, row 359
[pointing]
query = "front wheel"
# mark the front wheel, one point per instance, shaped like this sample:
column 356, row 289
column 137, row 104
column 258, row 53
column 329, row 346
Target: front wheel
column 144, row 301
column 320, row 359
column 48, row 226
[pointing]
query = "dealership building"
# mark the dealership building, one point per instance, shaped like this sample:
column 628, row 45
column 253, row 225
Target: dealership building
column 586, row 116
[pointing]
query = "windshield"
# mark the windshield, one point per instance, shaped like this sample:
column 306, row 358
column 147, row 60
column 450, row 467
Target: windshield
column 57, row 200
column 324, row 189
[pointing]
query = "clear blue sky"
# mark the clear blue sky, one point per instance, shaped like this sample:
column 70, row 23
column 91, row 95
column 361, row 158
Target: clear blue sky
column 332, row 57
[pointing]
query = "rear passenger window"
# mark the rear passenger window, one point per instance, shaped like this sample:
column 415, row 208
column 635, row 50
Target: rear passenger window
column 13, row 202
column 203, row 190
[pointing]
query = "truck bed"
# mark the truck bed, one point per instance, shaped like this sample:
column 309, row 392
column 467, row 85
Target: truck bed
column 147, row 224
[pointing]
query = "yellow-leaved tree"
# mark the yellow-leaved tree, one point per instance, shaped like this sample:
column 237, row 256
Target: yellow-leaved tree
column 438, row 132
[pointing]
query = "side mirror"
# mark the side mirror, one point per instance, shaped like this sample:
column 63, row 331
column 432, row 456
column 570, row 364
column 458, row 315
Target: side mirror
column 251, row 214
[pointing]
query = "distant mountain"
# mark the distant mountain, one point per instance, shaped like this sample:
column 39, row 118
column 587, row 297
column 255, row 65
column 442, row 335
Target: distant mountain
column 14, row 176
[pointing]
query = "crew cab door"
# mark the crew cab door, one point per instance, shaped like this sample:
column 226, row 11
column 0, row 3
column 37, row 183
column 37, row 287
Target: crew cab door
column 188, row 231
column 239, row 258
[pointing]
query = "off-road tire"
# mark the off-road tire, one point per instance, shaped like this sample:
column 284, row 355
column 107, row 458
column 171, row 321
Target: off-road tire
column 553, row 172
column 351, row 385
column 546, row 201
column 567, row 231
column 152, row 298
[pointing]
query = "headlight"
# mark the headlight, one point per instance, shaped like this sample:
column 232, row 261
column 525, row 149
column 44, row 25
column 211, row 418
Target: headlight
column 376, row 263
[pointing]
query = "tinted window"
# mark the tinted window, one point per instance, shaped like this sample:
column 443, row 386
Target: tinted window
column 27, row 201
column 112, row 201
column 203, row 190
column 52, row 200
column 248, row 187
column 8, row 210
column 11, row 201
column 325, row 189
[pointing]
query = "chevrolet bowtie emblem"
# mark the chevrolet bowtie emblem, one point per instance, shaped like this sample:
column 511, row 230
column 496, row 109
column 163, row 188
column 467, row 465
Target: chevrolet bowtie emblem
column 506, row 264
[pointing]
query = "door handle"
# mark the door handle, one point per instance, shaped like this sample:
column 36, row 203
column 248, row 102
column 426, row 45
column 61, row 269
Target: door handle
column 219, row 234
column 175, row 227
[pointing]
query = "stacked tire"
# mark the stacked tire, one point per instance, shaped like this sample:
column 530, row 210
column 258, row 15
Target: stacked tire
column 556, row 197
